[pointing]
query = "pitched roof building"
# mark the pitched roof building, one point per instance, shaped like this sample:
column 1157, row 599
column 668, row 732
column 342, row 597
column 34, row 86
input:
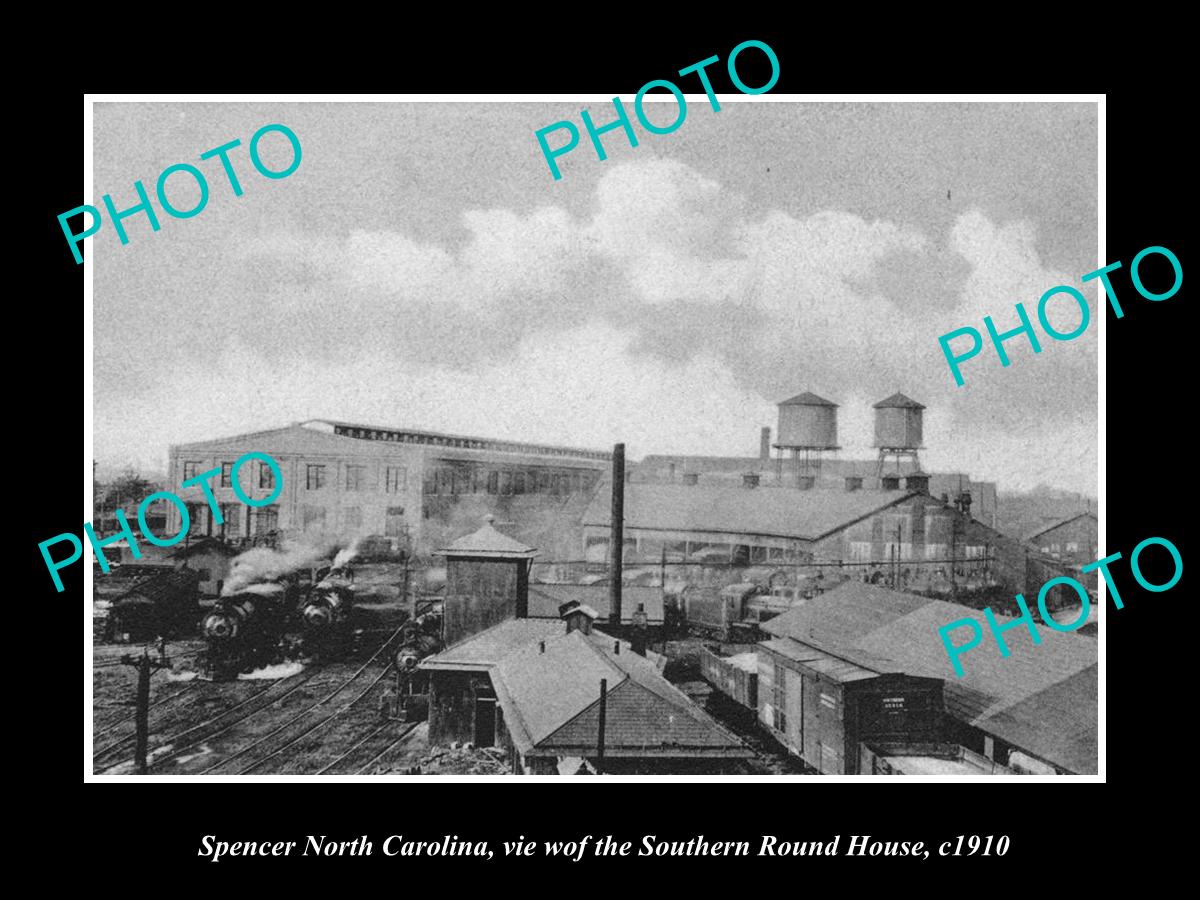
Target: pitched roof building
column 1040, row 700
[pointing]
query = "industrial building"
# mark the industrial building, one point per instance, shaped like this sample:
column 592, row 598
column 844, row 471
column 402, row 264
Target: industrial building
column 923, row 540
column 1073, row 540
column 557, row 693
column 806, row 443
column 416, row 488
column 859, row 675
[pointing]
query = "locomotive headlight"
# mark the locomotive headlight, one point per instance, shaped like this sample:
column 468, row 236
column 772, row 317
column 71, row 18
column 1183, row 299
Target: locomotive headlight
column 317, row 616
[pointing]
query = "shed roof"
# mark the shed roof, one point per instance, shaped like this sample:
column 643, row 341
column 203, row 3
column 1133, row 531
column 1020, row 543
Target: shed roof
column 883, row 630
column 898, row 401
column 488, row 542
column 491, row 645
column 808, row 398
column 202, row 546
column 1042, row 529
column 168, row 585
column 779, row 512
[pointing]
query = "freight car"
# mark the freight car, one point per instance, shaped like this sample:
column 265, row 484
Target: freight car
column 733, row 671
column 245, row 631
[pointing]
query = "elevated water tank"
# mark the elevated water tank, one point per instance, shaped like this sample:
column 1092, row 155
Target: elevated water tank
column 807, row 421
column 898, row 423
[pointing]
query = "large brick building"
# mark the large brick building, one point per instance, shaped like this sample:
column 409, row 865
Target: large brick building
column 415, row 487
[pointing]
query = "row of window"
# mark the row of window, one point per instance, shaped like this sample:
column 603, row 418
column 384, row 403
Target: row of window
column 316, row 476
column 258, row 520
column 478, row 480
column 1071, row 547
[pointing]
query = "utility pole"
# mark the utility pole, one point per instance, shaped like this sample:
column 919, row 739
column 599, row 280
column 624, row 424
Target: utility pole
column 616, row 540
column 145, row 667
column 600, row 737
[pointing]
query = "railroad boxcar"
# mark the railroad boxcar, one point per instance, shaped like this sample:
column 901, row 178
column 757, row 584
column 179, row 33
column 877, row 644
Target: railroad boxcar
column 734, row 672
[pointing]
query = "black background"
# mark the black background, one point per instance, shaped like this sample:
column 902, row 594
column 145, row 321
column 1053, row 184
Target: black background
column 129, row 830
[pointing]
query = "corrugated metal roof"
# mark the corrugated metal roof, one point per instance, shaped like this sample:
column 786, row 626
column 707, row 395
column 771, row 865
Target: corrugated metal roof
column 872, row 626
column 808, row 398
column 545, row 599
column 778, row 512
column 898, row 401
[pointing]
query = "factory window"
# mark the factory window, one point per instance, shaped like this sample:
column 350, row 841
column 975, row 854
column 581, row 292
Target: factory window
column 544, row 479
column 493, row 482
column 266, row 477
column 518, row 482
column 859, row 551
column 198, row 515
column 396, row 477
column 315, row 477
column 758, row 554
column 1072, row 546
column 313, row 517
column 352, row 518
column 356, row 477
column 576, row 483
column 191, row 469
column 227, row 474
column 266, row 519
column 231, row 513
column 976, row 551
column 891, row 482
column 506, row 482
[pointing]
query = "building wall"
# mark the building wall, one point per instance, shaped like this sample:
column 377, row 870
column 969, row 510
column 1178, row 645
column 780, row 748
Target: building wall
column 1073, row 543
column 437, row 492
column 481, row 593
column 452, row 701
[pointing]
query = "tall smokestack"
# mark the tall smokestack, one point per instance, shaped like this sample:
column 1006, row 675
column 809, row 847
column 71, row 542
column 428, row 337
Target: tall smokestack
column 616, row 539
column 764, row 444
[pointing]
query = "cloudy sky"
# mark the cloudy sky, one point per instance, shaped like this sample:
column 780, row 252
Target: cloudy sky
column 422, row 268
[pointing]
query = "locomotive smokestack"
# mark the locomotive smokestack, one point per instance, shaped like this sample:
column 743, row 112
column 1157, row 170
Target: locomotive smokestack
column 616, row 540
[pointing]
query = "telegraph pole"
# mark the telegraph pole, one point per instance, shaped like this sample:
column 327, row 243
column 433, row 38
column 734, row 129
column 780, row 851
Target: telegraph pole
column 600, row 736
column 616, row 541
column 145, row 666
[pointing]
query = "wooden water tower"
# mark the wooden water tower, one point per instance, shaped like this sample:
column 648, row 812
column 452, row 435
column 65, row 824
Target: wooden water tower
column 487, row 581
column 898, row 430
column 807, row 430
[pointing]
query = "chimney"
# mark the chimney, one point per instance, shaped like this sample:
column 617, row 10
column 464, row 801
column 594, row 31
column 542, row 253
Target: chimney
column 541, row 646
column 616, row 539
column 691, row 477
column 750, row 480
column 764, row 443
column 616, row 648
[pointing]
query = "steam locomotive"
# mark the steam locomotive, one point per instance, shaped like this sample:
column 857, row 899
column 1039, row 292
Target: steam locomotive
column 244, row 631
column 268, row 622
column 325, row 614
column 419, row 637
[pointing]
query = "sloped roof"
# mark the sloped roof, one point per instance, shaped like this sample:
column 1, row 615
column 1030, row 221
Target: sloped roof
column 488, row 542
column 545, row 599
column 778, row 512
column 491, row 645
column 898, row 401
column 169, row 585
column 886, row 631
column 1042, row 529
column 808, row 398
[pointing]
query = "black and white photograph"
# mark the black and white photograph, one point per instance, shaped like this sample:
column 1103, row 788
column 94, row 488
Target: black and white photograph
column 476, row 437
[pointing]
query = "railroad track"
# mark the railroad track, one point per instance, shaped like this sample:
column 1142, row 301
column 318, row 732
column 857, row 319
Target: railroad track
column 121, row 720
column 195, row 743
column 248, row 707
column 369, row 749
column 304, row 714
column 312, row 729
